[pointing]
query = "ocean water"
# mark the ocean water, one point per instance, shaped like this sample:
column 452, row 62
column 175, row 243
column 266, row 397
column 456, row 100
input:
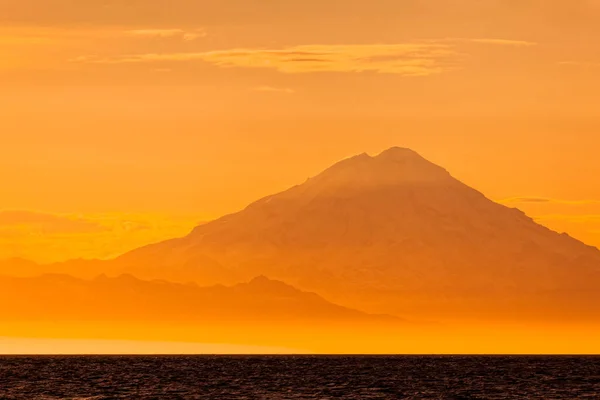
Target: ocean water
column 299, row 377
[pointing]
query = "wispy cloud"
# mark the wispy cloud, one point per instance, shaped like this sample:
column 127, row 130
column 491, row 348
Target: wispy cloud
column 189, row 36
column 541, row 200
column 168, row 33
column 491, row 41
column 584, row 219
column 156, row 32
column 414, row 59
column 274, row 89
column 420, row 58
column 515, row 200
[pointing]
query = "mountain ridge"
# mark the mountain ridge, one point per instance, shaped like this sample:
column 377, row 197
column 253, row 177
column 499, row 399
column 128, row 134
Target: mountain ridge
column 59, row 296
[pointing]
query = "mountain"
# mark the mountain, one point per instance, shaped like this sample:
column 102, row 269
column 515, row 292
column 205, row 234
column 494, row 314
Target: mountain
column 56, row 298
column 392, row 233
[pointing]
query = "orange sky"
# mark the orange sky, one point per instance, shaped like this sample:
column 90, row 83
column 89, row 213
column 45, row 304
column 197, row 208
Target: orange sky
column 127, row 122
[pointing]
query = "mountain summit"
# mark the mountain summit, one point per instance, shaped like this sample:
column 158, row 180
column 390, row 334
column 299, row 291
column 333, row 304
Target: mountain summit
column 394, row 166
column 393, row 233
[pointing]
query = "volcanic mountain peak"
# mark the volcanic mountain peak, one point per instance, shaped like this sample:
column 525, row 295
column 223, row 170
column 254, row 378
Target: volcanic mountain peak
column 400, row 153
column 395, row 166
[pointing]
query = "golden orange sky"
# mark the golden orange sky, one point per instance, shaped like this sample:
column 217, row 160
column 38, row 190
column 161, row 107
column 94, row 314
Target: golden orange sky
column 124, row 123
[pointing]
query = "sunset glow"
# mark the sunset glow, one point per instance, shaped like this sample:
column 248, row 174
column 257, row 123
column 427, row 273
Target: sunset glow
column 147, row 156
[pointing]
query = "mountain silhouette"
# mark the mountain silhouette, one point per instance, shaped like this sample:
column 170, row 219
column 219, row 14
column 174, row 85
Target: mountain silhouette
column 392, row 233
column 57, row 297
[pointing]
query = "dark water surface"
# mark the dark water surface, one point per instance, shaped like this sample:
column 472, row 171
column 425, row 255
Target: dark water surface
column 299, row 377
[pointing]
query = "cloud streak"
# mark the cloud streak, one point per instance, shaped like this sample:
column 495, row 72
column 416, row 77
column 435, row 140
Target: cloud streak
column 271, row 89
column 402, row 59
column 497, row 42
column 168, row 33
column 422, row 58
column 583, row 219
column 545, row 200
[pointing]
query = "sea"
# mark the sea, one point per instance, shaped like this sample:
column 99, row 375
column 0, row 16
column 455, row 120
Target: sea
column 299, row 377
